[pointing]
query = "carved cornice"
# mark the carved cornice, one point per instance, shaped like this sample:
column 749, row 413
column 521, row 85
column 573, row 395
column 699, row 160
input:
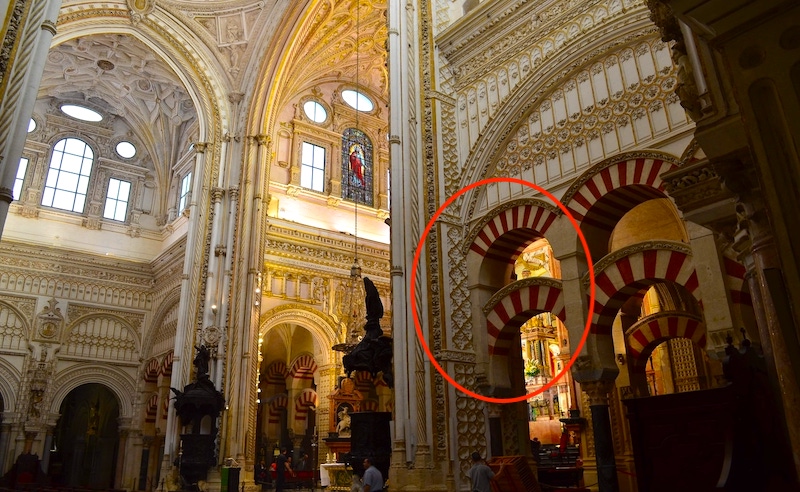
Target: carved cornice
column 15, row 256
column 695, row 185
column 517, row 285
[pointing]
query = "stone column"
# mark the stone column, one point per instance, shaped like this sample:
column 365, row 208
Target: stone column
column 122, row 456
column 31, row 27
column 5, row 443
column 755, row 240
column 603, row 443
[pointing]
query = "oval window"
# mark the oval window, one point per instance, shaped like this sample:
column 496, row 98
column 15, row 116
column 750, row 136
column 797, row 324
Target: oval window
column 357, row 100
column 31, row 125
column 126, row 149
column 315, row 111
column 81, row 113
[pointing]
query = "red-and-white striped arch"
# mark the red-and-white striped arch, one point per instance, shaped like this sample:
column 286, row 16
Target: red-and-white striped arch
column 631, row 275
column 305, row 401
column 363, row 381
column 166, row 364
column 151, row 409
column 304, row 367
column 506, row 234
column 152, row 370
column 621, row 186
column 649, row 332
column 277, row 373
column 517, row 306
column 735, row 282
column 275, row 405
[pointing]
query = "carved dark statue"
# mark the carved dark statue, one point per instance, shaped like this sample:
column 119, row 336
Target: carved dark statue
column 201, row 362
column 198, row 400
column 374, row 352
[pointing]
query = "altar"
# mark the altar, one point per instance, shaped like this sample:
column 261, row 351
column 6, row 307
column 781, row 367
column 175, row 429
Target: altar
column 335, row 477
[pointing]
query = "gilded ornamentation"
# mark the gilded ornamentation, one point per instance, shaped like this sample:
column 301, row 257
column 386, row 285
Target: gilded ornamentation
column 50, row 321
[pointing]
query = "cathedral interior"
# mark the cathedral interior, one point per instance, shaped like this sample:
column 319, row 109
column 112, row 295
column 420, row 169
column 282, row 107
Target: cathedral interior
column 577, row 216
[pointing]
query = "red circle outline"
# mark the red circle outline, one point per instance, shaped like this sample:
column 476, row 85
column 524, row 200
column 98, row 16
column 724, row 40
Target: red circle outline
column 418, row 327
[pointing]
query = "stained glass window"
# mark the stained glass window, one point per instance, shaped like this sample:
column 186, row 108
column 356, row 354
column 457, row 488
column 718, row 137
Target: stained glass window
column 357, row 167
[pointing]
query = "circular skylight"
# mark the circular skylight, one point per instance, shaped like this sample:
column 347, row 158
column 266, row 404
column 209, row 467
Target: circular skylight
column 126, row 149
column 31, row 125
column 81, row 113
column 357, row 100
column 315, row 111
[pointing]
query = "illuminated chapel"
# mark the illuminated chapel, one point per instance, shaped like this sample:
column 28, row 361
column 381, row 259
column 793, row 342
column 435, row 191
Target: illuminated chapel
column 580, row 218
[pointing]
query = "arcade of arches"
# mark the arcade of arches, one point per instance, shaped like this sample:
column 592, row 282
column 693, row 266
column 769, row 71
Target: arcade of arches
column 228, row 164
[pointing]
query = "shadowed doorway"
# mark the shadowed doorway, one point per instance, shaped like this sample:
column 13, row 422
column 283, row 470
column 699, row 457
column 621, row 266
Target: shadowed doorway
column 86, row 439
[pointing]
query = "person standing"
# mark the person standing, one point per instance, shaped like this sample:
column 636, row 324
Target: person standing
column 373, row 479
column 281, row 467
column 480, row 474
column 261, row 472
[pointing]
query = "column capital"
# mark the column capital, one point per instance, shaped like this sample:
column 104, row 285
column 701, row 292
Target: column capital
column 598, row 391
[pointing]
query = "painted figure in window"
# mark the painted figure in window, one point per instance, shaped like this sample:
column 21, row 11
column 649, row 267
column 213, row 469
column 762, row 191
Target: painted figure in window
column 357, row 162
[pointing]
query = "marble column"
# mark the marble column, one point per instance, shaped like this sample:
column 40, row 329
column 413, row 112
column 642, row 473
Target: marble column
column 601, row 424
column 754, row 239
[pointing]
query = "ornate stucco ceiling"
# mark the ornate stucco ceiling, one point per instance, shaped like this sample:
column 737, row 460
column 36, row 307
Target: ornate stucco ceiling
column 122, row 77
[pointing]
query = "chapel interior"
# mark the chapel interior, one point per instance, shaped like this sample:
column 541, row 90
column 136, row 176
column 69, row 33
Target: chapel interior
column 580, row 218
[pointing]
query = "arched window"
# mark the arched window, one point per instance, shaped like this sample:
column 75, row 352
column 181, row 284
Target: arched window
column 357, row 167
column 68, row 177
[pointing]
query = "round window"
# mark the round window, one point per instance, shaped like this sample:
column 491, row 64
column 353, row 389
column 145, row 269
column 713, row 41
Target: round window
column 81, row 113
column 357, row 100
column 126, row 149
column 315, row 111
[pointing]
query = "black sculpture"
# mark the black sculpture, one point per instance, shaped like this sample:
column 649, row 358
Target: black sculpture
column 374, row 352
column 198, row 402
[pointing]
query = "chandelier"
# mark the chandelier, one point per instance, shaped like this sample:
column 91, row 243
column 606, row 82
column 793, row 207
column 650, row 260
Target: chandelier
column 353, row 308
column 353, row 294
